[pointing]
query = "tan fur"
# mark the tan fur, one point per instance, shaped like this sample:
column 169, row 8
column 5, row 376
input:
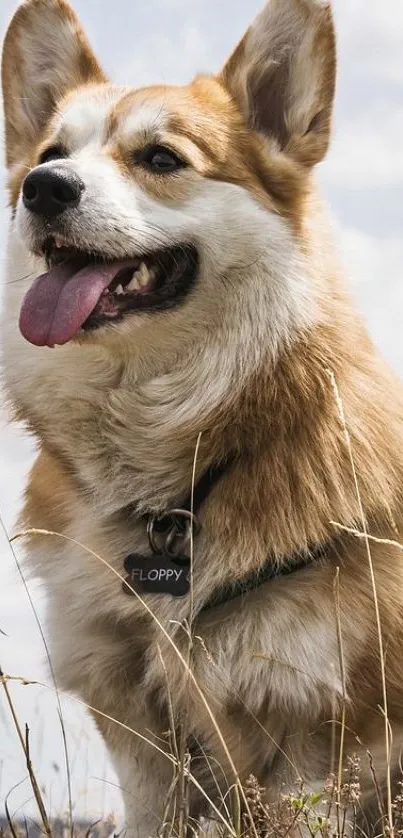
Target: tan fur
column 118, row 416
column 49, row 493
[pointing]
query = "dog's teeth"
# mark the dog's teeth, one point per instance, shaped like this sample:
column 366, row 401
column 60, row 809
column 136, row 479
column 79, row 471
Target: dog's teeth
column 143, row 275
column 134, row 284
column 119, row 290
column 140, row 279
column 58, row 241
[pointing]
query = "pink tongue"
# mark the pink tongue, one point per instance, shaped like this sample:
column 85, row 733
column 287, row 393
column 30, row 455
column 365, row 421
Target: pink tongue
column 61, row 300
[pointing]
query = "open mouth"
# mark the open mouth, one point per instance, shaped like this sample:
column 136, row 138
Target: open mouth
column 84, row 291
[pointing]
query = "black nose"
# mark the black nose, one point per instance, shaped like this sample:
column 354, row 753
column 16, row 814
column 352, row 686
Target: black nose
column 49, row 191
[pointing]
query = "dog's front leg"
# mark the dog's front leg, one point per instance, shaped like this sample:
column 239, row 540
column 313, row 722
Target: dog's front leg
column 145, row 773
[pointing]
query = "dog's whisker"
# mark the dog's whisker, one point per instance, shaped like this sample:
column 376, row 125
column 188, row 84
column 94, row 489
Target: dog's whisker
column 18, row 279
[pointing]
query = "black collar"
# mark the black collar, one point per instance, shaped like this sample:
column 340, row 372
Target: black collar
column 267, row 573
column 166, row 570
column 206, row 484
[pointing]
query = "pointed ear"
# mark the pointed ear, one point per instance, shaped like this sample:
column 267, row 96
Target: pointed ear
column 282, row 76
column 45, row 55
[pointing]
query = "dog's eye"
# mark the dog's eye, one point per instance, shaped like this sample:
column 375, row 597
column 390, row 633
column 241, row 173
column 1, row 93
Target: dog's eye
column 55, row 152
column 160, row 160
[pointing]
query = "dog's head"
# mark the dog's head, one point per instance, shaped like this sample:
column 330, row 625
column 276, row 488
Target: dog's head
column 161, row 207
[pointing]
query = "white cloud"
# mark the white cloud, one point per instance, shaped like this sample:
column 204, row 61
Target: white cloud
column 367, row 150
column 375, row 268
column 167, row 60
column 371, row 38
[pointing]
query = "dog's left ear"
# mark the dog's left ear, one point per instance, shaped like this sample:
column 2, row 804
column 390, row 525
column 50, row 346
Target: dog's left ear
column 282, row 76
column 45, row 55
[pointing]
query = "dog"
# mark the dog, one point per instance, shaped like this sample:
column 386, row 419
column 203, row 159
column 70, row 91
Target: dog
column 220, row 446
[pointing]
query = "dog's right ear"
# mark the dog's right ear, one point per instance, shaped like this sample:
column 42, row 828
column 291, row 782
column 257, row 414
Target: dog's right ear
column 45, row 55
column 282, row 76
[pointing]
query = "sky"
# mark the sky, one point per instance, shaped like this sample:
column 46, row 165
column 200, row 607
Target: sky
column 362, row 179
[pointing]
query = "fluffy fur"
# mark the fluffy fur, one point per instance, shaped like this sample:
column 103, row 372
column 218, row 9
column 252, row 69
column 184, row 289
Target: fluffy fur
column 244, row 361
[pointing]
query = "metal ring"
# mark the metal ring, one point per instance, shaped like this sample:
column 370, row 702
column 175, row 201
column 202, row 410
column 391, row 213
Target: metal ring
column 176, row 541
column 178, row 538
column 181, row 523
column 151, row 535
column 187, row 515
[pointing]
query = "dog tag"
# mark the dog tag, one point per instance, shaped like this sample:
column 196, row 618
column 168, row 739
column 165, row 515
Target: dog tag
column 157, row 574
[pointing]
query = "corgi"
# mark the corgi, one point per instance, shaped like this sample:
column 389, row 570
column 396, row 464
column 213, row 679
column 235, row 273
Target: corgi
column 220, row 447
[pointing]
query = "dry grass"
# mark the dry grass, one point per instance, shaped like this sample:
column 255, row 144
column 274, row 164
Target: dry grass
column 60, row 828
